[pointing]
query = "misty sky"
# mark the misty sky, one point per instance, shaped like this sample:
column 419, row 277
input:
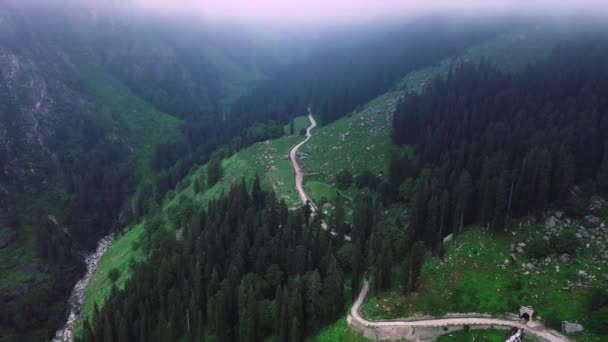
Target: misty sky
column 323, row 13
column 307, row 12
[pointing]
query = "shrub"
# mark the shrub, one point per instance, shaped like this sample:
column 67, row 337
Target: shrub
column 566, row 242
column 344, row 179
column 113, row 275
column 598, row 321
column 538, row 247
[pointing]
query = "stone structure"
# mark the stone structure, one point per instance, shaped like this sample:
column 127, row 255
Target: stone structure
column 569, row 328
column 526, row 313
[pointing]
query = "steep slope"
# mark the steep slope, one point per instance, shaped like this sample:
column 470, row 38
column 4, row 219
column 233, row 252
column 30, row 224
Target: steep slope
column 79, row 129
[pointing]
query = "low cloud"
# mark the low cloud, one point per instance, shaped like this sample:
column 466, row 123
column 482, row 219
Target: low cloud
column 327, row 12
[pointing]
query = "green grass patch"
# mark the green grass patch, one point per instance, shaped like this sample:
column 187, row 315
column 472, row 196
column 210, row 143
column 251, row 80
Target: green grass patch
column 125, row 250
column 487, row 335
column 474, row 277
column 339, row 332
column 267, row 159
column 355, row 143
column 299, row 123
column 130, row 117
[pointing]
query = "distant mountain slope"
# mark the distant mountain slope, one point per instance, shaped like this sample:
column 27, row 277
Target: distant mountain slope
column 81, row 116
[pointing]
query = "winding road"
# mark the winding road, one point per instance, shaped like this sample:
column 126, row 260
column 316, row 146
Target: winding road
column 297, row 170
column 299, row 175
column 537, row 330
column 399, row 329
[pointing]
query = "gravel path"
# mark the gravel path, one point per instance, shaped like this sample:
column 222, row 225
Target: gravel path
column 299, row 175
column 539, row 330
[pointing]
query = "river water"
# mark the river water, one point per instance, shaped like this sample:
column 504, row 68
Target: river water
column 65, row 334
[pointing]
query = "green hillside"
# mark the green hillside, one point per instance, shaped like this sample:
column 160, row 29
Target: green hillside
column 266, row 159
column 357, row 143
column 128, row 116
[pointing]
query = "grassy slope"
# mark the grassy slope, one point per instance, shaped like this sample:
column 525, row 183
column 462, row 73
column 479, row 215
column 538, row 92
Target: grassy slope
column 299, row 123
column 488, row 335
column 129, row 116
column 473, row 277
column 124, row 252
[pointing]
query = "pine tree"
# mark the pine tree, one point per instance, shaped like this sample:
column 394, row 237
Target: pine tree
column 339, row 224
column 357, row 273
column 313, row 302
column 256, row 193
column 333, row 289
column 463, row 192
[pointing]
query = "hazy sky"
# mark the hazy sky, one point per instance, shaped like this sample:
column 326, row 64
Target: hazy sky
column 306, row 13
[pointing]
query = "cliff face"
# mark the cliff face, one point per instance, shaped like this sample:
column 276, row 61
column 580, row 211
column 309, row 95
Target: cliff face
column 38, row 88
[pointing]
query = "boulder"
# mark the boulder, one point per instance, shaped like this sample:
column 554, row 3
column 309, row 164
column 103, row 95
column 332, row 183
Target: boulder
column 565, row 258
column 596, row 204
column 551, row 222
column 591, row 222
column 569, row 328
column 584, row 233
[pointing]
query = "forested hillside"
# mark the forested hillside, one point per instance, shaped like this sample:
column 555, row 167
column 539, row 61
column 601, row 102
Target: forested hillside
column 244, row 268
column 492, row 146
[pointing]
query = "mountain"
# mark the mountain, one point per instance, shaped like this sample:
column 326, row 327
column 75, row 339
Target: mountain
column 85, row 101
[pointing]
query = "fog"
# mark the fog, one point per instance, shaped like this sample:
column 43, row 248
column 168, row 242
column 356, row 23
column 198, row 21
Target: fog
column 315, row 12
column 309, row 14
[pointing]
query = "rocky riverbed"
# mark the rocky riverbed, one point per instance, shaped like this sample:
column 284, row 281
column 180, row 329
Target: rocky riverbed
column 65, row 334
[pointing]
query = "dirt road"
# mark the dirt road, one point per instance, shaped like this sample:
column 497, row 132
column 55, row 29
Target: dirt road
column 538, row 330
column 299, row 175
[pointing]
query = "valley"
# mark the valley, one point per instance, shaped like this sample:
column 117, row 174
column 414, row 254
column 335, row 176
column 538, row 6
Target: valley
column 177, row 180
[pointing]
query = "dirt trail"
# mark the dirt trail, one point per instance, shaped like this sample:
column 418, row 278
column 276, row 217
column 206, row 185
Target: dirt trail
column 299, row 175
column 297, row 170
column 538, row 330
